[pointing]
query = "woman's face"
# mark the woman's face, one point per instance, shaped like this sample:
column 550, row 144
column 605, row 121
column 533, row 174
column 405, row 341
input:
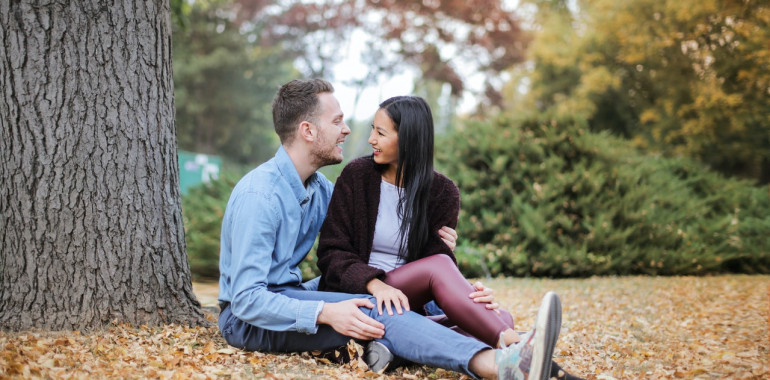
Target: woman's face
column 384, row 139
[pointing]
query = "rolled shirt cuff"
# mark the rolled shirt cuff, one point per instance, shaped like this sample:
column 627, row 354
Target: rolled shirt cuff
column 307, row 320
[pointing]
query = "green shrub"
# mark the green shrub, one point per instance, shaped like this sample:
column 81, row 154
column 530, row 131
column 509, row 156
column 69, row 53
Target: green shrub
column 542, row 199
column 202, row 209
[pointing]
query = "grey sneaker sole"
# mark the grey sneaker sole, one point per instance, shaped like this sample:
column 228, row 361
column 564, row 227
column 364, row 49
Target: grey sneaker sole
column 548, row 326
column 377, row 356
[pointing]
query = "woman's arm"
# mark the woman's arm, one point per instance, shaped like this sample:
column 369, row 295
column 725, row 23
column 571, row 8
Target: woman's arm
column 344, row 267
column 444, row 209
column 449, row 216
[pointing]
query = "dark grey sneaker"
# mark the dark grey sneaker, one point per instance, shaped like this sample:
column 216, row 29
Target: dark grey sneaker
column 377, row 356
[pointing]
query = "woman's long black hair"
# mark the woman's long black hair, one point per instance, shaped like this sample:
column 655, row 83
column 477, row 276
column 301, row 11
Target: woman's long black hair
column 414, row 175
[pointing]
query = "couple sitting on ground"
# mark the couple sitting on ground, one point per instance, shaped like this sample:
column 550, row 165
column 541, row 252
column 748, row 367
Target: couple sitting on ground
column 385, row 251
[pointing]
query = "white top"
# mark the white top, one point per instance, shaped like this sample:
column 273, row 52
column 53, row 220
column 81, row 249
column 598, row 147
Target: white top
column 385, row 245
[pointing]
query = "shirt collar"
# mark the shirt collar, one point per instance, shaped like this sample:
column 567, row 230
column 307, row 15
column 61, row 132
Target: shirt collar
column 290, row 174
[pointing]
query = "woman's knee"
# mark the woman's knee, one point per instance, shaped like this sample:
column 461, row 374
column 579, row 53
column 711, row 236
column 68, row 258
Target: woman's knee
column 440, row 260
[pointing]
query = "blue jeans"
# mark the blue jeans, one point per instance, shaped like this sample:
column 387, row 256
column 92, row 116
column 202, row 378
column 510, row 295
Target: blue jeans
column 410, row 335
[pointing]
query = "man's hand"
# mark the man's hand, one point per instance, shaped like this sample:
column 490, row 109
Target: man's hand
column 345, row 318
column 484, row 294
column 449, row 236
column 388, row 296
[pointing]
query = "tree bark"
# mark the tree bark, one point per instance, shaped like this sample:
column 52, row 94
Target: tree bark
column 90, row 209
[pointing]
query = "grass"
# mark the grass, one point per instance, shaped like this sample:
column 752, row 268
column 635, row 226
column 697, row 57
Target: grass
column 613, row 328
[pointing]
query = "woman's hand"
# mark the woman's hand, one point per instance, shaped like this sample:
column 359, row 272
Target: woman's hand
column 484, row 294
column 449, row 236
column 388, row 296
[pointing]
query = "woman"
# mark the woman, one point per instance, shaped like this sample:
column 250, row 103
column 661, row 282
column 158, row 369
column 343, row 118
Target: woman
column 381, row 234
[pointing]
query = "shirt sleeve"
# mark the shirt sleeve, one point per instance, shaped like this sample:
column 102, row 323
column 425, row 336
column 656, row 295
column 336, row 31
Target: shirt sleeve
column 255, row 224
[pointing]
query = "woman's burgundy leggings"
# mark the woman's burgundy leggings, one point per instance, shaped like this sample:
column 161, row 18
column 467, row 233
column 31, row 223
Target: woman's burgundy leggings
column 437, row 278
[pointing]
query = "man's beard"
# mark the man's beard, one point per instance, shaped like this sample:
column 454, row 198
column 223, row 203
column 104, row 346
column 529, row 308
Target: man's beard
column 324, row 154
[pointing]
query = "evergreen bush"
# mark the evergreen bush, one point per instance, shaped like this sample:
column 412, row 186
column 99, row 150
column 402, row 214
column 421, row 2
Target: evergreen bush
column 202, row 209
column 557, row 200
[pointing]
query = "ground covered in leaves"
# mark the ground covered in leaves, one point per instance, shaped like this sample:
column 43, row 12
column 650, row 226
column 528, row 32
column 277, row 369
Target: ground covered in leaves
column 613, row 328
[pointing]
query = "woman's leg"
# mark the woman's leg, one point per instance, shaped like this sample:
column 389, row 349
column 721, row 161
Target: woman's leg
column 437, row 277
column 435, row 314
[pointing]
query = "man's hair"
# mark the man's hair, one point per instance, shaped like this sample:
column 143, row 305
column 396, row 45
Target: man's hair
column 295, row 102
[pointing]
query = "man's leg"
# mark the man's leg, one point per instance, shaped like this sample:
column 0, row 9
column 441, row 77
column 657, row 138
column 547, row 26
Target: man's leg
column 410, row 336
column 418, row 339
column 242, row 335
column 252, row 338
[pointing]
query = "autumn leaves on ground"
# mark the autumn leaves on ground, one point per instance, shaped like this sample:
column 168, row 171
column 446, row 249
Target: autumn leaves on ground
column 613, row 328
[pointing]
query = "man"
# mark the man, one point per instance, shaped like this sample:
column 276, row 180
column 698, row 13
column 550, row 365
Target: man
column 270, row 224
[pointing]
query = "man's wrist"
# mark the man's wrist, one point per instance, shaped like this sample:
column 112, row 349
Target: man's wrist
column 318, row 311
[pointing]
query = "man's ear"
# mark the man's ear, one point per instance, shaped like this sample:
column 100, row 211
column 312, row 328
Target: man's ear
column 307, row 131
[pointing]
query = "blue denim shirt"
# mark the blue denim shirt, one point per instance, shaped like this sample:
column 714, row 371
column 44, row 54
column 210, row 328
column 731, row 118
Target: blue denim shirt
column 269, row 226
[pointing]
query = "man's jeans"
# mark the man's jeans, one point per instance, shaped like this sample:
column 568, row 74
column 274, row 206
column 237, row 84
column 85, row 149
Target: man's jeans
column 410, row 335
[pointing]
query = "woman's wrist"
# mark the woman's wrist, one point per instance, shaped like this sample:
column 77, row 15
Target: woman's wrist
column 373, row 285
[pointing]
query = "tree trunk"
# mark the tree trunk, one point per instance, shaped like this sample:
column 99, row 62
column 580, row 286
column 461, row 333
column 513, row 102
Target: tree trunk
column 90, row 212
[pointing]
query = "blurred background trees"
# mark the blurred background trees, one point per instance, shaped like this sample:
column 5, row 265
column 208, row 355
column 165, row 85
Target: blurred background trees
column 606, row 137
column 224, row 82
column 684, row 78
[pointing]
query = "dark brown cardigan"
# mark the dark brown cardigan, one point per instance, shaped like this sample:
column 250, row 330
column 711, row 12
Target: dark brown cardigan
column 348, row 232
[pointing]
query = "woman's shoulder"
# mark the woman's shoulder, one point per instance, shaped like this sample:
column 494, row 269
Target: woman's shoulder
column 360, row 163
column 443, row 185
column 357, row 167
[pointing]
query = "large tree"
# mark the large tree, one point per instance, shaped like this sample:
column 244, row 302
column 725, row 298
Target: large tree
column 90, row 217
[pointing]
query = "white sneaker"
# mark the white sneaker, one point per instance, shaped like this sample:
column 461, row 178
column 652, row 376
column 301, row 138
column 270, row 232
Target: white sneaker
column 530, row 359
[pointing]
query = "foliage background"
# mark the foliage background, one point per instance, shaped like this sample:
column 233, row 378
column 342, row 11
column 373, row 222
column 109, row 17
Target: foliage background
column 548, row 200
column 609, row 137
column 224, row 85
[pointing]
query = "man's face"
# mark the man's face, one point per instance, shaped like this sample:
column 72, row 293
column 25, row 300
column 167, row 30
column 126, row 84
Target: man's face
column 332, row 130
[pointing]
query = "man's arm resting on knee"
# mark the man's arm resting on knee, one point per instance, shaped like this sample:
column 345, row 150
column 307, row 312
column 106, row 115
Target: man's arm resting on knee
column 345, row 318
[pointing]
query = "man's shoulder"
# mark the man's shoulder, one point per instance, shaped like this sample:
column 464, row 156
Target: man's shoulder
column 324, row 183
column 261, row 180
